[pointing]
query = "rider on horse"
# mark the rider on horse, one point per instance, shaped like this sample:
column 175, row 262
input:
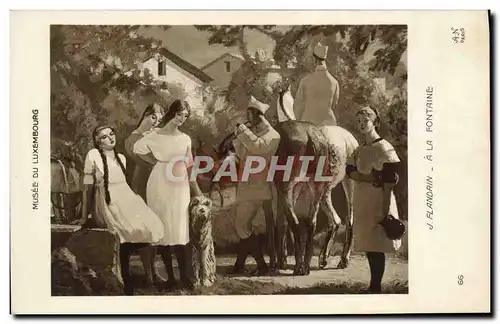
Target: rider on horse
column 318, row 93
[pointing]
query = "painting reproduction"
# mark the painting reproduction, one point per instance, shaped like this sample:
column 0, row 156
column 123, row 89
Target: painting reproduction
column 295, row 147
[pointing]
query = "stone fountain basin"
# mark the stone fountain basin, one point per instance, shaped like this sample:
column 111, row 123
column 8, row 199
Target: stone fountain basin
column 60, row 234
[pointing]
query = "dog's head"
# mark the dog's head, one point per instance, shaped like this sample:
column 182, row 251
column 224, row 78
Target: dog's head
column 200, row 212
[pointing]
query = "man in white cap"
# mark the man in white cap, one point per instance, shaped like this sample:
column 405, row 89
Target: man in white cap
column 260, row 140
column 318, row 93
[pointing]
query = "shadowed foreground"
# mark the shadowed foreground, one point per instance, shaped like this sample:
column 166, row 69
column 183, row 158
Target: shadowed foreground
column 353, row 280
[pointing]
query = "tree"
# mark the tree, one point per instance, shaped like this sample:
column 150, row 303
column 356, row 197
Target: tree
column 95, row 79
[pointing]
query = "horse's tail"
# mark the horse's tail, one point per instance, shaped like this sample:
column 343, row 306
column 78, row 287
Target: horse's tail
column 282, row 106
column 351, row 144
column 65, row 175
column 343, row 139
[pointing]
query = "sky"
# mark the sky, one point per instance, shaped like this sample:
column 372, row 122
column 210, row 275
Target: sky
column 192, row 45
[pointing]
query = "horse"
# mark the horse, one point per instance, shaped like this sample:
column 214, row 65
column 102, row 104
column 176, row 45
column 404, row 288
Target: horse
column 66, row 182
column 205, row 180
column 299, row 139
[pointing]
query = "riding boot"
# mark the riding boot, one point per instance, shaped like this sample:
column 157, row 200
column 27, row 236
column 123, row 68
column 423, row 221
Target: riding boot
column 256, row 252
column 180, row 251
column 239, row 265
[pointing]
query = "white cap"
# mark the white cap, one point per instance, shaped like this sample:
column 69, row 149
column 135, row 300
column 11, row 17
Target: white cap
column 260, row 106
column 320, row 51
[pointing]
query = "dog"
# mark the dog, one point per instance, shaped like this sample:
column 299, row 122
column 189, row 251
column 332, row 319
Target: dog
column 203, row 262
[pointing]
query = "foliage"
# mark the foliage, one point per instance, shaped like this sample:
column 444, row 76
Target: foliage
column 90, row 84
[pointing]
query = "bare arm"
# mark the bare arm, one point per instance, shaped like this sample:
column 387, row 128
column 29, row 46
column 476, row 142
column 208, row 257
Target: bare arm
column 142, row 151
column 143, row 159
column 193, row 183
column 86, row 200
column 148, row 158
column 194, row 187
column 336, row 96
column 298, row 104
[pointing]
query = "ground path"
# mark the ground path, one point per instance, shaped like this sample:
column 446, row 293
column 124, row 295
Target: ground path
column 355, row 277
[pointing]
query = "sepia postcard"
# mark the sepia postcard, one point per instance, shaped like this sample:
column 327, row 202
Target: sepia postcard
column 250, row 162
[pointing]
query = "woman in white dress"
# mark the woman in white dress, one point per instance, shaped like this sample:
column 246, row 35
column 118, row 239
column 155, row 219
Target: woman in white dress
column 373, row 166
column 113, row 203
column 169, row 187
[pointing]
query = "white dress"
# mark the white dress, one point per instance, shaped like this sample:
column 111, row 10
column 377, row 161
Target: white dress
column 168, row 191
column 127, row 214
column 368, row 235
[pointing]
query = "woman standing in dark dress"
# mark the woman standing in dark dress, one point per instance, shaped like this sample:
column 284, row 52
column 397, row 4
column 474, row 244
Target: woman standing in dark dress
column 138, row 178
column 374, row 168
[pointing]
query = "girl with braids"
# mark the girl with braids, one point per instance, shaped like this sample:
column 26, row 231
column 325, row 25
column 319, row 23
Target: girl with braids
column 114, row 204
column 138, row 174
column 374, row 167
column 167, row 196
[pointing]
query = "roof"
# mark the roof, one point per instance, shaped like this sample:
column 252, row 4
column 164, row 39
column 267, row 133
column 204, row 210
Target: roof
column 220, row 58
column 238, row 56
column 185, row 65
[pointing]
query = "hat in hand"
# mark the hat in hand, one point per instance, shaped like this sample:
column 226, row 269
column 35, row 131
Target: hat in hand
column 393, row 227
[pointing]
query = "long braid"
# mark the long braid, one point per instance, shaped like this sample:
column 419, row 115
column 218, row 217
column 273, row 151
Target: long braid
column 105, row 160
column 106, row 175
column 119, row 162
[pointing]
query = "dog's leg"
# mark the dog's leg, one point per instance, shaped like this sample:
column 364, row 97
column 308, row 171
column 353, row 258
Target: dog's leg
column 195, row 264
column 213, row 264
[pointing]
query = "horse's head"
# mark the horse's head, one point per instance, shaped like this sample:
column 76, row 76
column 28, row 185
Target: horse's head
column 225, row 147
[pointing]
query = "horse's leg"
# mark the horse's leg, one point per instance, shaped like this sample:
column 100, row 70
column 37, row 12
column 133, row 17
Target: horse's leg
column 221, row 195
column 216, row 186
column 316, row 193
column 293, row 222
column 270, row 229
column 281, row 227
column 333, row 226
column 348, row 186
column 290, row 242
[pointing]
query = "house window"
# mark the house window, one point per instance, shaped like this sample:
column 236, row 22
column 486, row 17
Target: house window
column 162, row 68
column 228, row 66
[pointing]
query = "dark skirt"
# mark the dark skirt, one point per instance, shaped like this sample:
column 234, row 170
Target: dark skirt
column 139, row 180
